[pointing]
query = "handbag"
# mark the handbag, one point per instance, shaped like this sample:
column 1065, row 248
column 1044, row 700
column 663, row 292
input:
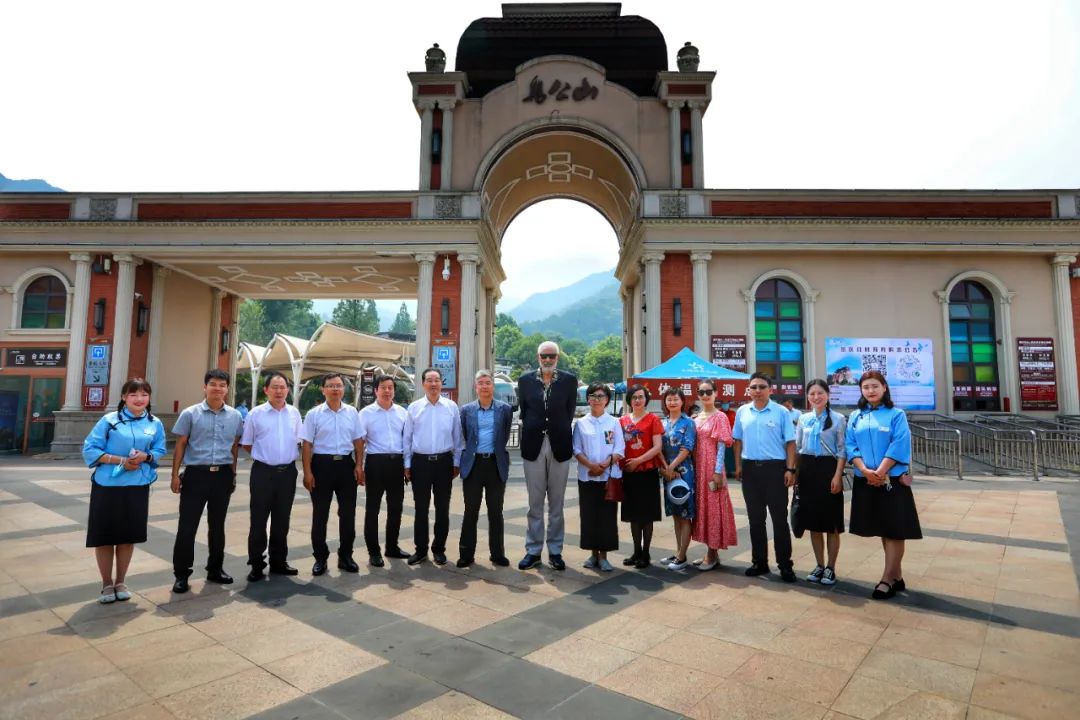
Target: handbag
column 797, row 528
column 613, row 489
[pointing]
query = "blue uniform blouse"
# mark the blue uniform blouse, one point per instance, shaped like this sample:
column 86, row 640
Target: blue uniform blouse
column 117, row 433
column 878, row 433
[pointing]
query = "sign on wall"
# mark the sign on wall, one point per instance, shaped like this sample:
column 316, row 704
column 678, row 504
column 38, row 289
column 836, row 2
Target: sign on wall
column 96, row 372
column 1038, row 373
column 729, row 351
column 367, row 387
column 36, row 357
column 907, row 364
column 444, row 359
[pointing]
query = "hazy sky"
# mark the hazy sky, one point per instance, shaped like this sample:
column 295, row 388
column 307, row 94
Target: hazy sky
column 231, row 96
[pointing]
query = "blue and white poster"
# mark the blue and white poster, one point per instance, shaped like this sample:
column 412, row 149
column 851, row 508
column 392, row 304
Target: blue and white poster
column 906, row 363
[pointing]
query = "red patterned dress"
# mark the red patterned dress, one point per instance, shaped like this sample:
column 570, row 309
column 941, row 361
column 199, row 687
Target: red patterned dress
column 714, row 523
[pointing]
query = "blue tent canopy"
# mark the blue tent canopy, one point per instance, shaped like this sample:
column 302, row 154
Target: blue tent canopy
column 687, row 365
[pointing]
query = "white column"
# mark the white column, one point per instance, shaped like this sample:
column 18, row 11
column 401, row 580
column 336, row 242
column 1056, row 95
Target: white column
column 698, row 162
column 943, row 300
column 626, row 295
column 489, row 328
column 810, row 333
column 426, row 261
column 78, row 309
column 652, row 262
column 157, row 312
column 121, row 348
column 674, row 110
column 447, row 107
column 234, row 343
column 215, row 328
column 637, row 299
column 1068, row 402
column 467, row 349
column 702, row 341
column 427, row 108
column 1008, row 360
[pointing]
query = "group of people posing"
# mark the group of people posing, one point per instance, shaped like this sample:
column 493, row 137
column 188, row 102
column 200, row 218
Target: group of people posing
column 639, row 461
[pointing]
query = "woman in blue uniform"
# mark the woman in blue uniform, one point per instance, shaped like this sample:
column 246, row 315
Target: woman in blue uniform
column 878, row 445
column 123, row 449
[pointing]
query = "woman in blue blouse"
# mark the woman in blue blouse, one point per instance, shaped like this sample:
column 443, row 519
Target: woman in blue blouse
column 819, row 442
column 123, row 449
column 680, row 436
column 882, row 505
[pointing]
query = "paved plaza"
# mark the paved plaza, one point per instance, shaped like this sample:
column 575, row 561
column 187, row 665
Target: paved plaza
column 989, row 629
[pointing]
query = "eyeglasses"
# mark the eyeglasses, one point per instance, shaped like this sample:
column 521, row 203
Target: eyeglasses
column 598, row 396
column 758, row 387
column 704, row 392
column 548, row 356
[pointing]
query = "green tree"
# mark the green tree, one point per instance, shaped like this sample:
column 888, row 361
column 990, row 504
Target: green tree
column 359, row 315
column 403, row 323
column 260, row 319
column 604, row 362
column 505, row 338
column 505, row 319
column 253, row 323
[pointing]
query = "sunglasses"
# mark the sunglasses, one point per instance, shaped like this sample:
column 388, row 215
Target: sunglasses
column 759, row 387
column 704, row 392
column 548, row 356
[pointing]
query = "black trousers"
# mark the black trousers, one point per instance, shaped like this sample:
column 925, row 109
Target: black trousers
column 273, row 488
column 383, row 474
column 483, row 483
column 333, row 478
column 763, row 488
column 432, row 475
column 201, row 489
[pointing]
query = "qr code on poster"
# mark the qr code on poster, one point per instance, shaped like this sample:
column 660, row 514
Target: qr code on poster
column 873, row 362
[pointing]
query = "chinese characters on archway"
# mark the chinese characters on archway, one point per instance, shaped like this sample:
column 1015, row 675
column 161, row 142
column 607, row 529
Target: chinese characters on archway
column 560, row 90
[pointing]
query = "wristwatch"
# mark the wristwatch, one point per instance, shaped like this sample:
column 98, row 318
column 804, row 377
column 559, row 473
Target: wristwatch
column 792, row 470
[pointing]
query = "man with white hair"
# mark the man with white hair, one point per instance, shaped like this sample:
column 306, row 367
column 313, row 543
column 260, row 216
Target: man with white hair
column 546, row 399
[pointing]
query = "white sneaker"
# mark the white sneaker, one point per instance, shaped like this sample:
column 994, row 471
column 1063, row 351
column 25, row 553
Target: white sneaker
column 676, row 565
column 828, row 577
column 815, row 574
column 704, row 566
column 591, row 563
column 668, row 560
column 605, row 566
column 122, row 593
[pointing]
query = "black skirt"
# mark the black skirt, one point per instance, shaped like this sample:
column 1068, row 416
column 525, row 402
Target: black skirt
column 641, row 496
column 599, row 527
column 819, row 509
column 887, row 511
column 118, row 515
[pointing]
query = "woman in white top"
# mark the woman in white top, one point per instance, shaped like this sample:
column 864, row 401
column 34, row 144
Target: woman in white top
column 598, row 447
column 819, row 442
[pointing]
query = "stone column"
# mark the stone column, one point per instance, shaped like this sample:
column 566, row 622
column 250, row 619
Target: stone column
column 467, row 348
column 810, row 333
column 78, row 309
column 1068, row 402
column 427, row 108
column 943, row 301
column 652, row 262
column 1008, row 387
column 157, row 312
column 234, row 343
column 121, row 348
column 695, row 143
column 674, row 111
column 447, row 107
column 426, row 261
column 700, row 261
column 489, row 328
column 215, row 328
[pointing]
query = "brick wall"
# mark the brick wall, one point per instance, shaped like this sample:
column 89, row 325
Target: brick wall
column 676, row 281
column 226, row 322
column 144, row 285
column 451, row 290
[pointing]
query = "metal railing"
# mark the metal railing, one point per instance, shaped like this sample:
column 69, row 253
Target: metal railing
column 1005, row 449
column 937, row 448
column 1057, row 444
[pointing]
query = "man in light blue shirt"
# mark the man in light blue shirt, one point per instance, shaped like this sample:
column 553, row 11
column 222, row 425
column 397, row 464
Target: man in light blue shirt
column 765, row 465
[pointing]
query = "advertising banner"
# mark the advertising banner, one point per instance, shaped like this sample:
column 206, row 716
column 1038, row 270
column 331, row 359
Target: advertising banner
column 1038, row 373
column 907, row 364
column 729, row 351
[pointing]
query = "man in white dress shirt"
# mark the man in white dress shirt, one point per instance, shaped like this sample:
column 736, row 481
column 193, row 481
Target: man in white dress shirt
column 387, row 433
column 331, row 433
column 432, row 463
column 272, row 438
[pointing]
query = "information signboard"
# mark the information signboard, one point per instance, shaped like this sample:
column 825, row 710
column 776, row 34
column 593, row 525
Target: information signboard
column 1038, row 373
column 906, row 363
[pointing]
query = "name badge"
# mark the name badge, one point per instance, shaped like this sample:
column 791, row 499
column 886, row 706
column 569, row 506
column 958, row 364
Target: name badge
column 148, row 431
column 883, row 429
column 770, row 423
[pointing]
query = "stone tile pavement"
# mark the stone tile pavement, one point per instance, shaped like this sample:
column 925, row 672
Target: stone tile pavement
column 989, row 629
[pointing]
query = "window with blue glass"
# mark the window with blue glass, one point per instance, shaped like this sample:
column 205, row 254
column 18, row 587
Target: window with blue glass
column 778, row 335
column 973, row 341
column 44, row 304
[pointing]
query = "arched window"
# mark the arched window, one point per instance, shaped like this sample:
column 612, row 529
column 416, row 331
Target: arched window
column 778, row 334
column 44, row 304
column 973, row 338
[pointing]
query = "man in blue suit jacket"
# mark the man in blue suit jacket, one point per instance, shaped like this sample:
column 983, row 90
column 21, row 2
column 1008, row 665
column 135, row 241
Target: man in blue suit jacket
column 485, row 465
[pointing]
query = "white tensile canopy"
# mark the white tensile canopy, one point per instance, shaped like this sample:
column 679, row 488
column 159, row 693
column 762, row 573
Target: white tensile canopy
column 331, row 348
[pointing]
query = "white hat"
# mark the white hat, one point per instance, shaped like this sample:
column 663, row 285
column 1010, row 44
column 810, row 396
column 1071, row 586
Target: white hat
column 677, row 491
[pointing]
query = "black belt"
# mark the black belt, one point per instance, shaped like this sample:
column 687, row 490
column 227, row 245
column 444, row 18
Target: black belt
column 387, row 456
column 434, row 458
column 327, row 456
column 209, row 468
column 276, row 468
column 763, row 463
column 484, row 456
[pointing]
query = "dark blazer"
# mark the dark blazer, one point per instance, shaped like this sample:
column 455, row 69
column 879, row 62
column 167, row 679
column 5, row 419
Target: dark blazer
column 557, row 422
column 470, row 433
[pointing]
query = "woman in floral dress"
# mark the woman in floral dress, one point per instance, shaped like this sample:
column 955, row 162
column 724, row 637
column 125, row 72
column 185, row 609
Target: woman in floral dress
column 678, row 474
column 714, row 523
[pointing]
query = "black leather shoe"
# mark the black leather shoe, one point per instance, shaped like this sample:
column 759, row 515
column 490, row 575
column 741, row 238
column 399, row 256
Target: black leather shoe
column 757, row 569
column 376, row 560
column 220, row 577
column 556, row 562
column 440, row 558
column 501, row 561
column 529, row 561
column 319, row 568
column 643, row 561
column 787, row 575
column 256, row 575
column 463, row 562
column 417, row 557
column 348, row 565
column 181, row 585
column 396, row 553
column 632, row 560
column 283, row 569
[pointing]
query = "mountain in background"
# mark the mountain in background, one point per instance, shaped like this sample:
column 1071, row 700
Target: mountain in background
column 539, row 306
column 590, row 319
column 8, row 185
